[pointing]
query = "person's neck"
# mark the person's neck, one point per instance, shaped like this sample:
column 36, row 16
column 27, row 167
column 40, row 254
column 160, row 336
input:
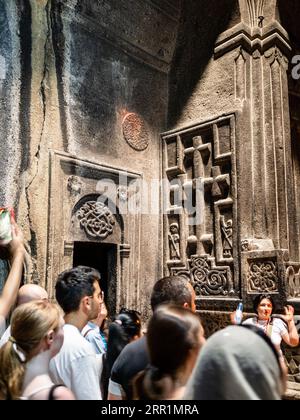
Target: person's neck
column 37, row 366
column 264, row 320
column 77, row 320
column 178, row 393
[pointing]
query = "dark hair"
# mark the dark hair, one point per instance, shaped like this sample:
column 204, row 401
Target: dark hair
column 257, row 301
column 122, row 330
column 268, row 341
column 73, row 285
column 172, row 332
column 171, row 290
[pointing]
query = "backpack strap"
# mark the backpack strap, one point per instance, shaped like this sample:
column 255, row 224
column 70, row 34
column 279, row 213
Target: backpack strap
column 52, row 390
column 87, row 332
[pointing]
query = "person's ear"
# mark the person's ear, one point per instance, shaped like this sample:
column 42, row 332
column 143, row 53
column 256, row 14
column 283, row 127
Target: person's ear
column 186, row 305
column 50, row 338
column 85, row 304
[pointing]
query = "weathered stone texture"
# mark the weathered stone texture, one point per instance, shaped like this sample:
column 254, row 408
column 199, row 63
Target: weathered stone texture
column 87, row 87
column 9, row 105
column 85, row 68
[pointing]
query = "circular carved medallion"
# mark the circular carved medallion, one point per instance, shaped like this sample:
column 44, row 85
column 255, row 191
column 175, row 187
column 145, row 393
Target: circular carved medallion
column 96, row 219
column 135, row 132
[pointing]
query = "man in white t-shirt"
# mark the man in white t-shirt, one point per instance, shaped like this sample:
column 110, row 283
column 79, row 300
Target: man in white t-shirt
column 77, row 366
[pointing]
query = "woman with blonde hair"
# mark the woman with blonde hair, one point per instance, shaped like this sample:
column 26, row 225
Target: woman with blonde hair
column 37, row 336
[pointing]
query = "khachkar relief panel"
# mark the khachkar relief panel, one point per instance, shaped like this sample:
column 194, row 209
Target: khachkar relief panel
column 200, row 222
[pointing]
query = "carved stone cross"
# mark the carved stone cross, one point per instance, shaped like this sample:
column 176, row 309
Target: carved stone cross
column 220, row 183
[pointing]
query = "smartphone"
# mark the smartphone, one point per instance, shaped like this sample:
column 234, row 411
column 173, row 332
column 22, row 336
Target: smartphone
column 6, row 218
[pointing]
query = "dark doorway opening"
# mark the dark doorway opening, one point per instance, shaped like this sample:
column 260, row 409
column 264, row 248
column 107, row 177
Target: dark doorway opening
column 102, row 257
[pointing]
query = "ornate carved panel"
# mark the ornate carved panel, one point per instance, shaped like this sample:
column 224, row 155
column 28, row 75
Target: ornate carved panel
column 262, row 276
column 200, row 226
column 264, row 272
column 96, row 219
column 210, row 280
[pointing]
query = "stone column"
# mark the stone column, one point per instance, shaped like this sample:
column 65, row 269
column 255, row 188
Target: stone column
column 267, row 206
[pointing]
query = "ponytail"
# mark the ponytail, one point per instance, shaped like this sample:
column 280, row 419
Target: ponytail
column 153, row 385
column 12, row 371
column 29, row 325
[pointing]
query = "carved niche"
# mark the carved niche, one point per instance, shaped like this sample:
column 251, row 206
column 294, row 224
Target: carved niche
column 86, row 200
column 200, row 240
column 174, row 239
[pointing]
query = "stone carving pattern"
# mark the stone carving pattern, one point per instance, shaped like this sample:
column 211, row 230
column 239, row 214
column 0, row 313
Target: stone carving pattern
column 293, row 281
column 208, row 280
column 213, row 323
column 256, row 12
column 206, row 154
column 96, row 219
column 245, row 245
column 174, row 239
column 181, row 272
column 227, row 231
column 292, row 357
column 135, row 132
column 74, row 185
column 262, row 277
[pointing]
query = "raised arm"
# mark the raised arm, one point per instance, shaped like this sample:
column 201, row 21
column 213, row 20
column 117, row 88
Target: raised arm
column 292, row 338
column 11, row 287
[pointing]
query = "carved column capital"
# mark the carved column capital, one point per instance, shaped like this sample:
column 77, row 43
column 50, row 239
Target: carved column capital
column 254, row 40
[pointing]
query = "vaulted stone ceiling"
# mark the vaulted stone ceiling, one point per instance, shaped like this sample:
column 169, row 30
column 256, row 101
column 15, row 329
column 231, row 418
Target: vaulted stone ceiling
column 146, row 29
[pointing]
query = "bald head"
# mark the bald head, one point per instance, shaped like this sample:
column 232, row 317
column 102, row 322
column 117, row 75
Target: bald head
column 31, row 292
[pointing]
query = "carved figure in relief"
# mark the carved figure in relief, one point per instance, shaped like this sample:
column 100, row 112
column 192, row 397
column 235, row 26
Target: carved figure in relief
column 226, row 228
column 174, row 239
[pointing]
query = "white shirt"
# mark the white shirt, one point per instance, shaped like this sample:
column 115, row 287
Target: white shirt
column 91, row 333
column 77, row 366
column 279, row 328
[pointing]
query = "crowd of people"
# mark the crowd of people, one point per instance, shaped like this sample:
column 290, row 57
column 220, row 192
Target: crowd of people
column 69, row 350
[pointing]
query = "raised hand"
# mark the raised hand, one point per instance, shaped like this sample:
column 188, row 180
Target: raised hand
column 289, row 314
column 16, row 246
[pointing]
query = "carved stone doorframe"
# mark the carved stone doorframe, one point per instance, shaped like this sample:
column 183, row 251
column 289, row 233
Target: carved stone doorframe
column 77, row 215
